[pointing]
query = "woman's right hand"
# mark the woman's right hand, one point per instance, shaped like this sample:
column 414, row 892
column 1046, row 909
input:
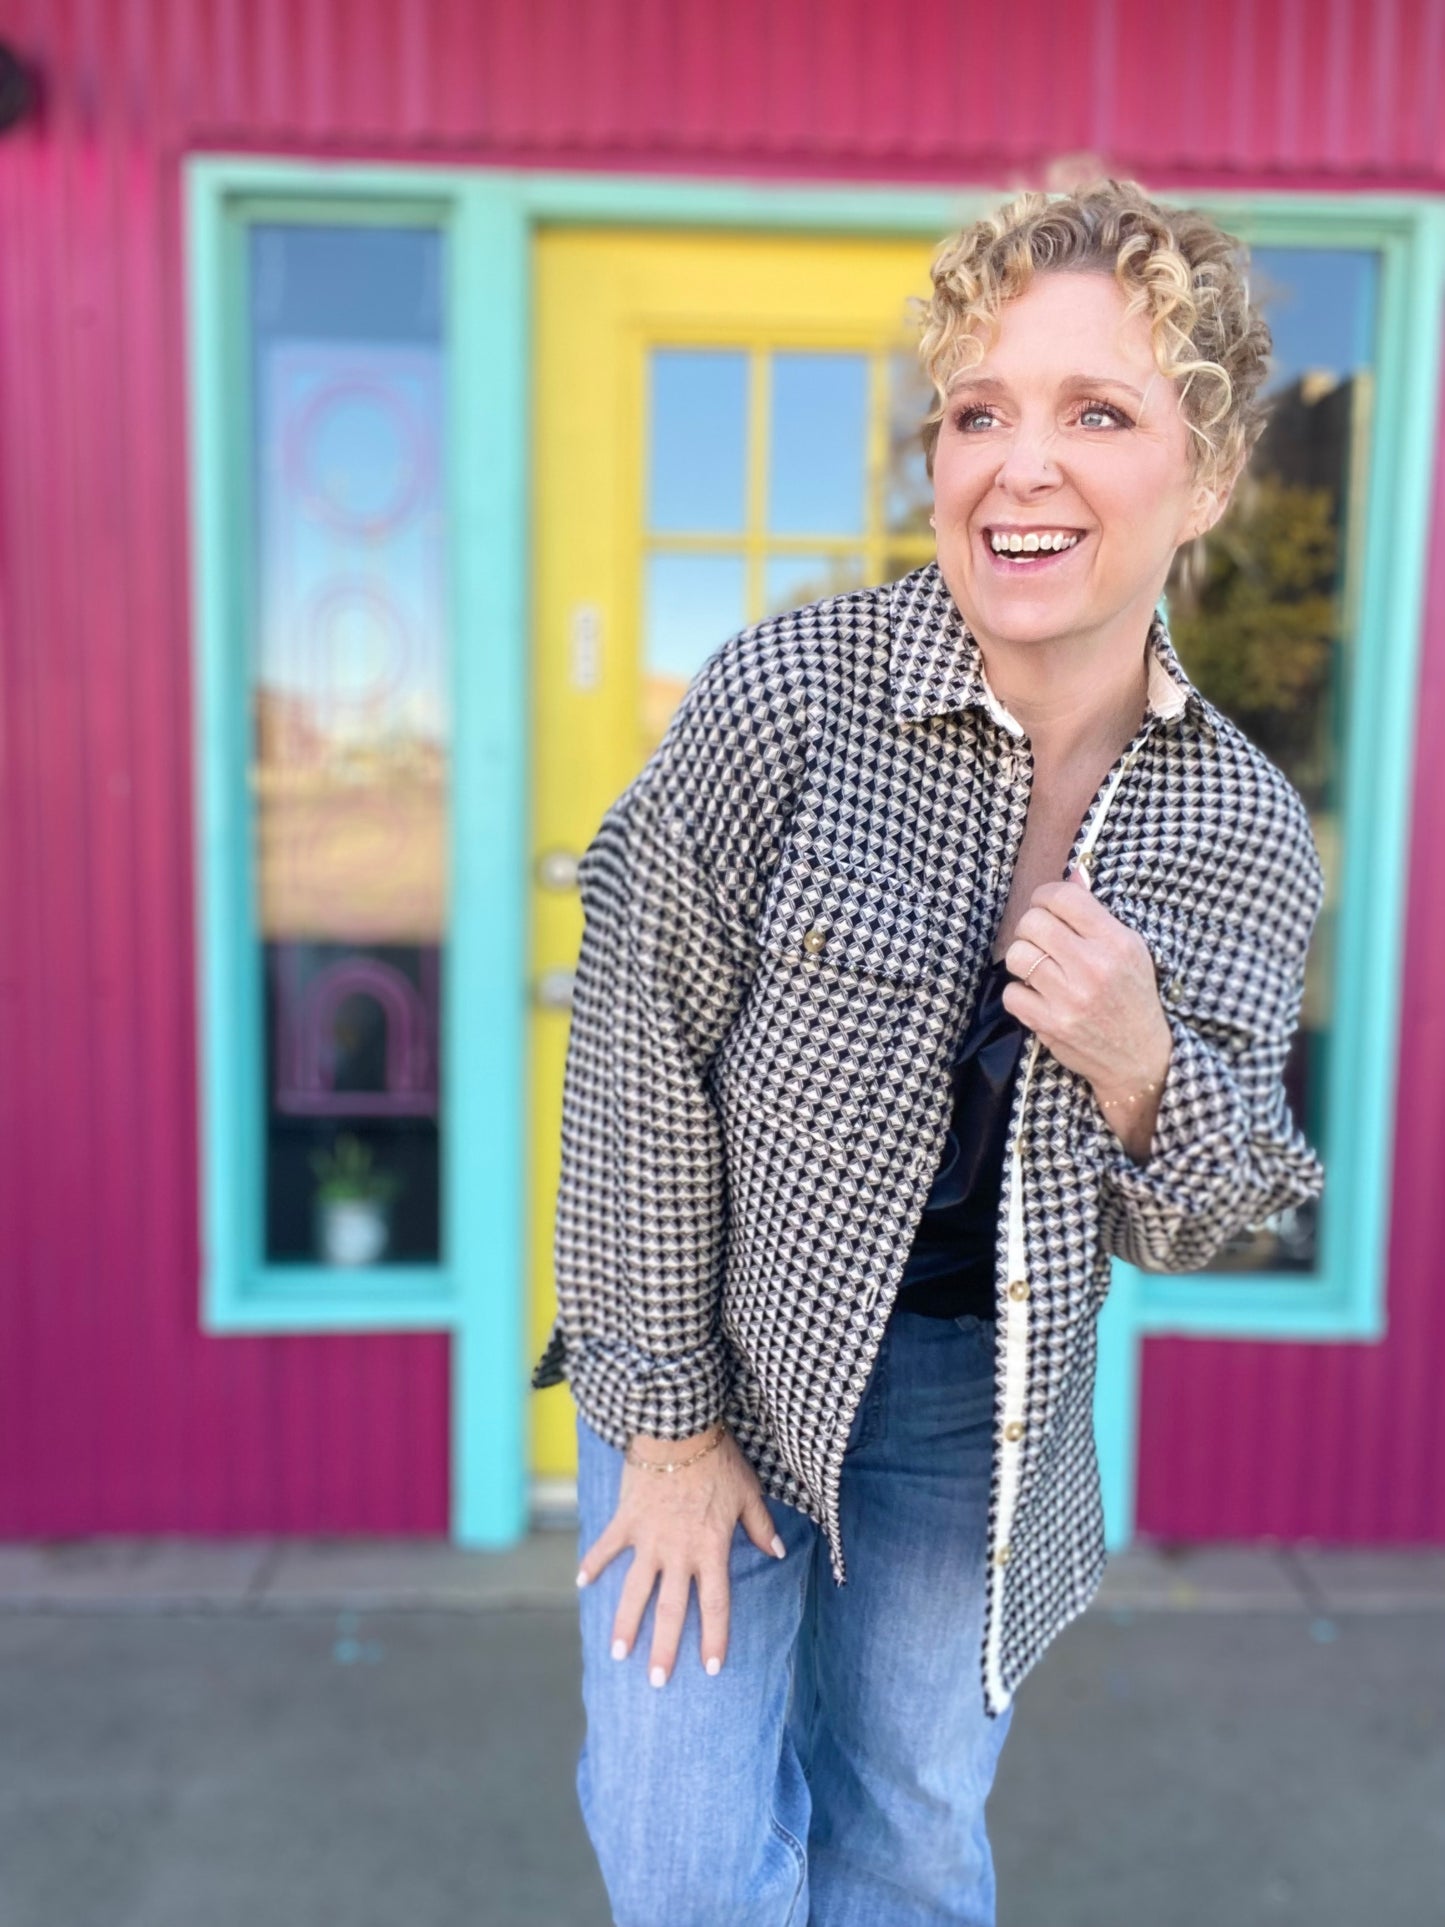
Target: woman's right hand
column 680, row 1526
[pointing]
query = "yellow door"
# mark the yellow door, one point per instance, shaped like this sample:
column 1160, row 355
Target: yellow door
column 725, row 425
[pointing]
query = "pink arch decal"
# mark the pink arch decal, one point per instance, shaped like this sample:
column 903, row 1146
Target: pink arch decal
column 308, row 1069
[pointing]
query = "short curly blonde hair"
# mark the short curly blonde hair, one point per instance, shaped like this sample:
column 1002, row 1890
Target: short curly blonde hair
column 1174, row 264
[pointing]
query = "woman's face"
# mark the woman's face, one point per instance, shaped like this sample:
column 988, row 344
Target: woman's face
column 1065, row 430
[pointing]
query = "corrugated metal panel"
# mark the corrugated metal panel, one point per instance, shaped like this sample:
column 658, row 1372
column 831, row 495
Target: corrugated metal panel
column 115, row 1413
column 1306, row 89
column 1337, row 1442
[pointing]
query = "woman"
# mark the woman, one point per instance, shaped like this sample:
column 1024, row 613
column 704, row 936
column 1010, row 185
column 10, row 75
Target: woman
column 950, row 943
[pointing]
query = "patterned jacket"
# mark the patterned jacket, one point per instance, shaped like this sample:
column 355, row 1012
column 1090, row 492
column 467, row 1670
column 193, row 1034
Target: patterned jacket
column 787, row 915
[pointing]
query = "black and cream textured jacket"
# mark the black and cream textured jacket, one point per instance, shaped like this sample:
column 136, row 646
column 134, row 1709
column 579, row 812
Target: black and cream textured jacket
column 787, row 916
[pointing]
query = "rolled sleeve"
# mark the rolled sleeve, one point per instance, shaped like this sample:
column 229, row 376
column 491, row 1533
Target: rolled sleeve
column 1226, row 1153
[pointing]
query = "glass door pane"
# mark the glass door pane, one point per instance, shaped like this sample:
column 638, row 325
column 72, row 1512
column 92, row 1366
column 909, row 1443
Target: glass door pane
column 759, row 494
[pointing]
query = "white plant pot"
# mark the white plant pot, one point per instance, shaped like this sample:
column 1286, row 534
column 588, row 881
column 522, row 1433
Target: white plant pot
column 351, row 1231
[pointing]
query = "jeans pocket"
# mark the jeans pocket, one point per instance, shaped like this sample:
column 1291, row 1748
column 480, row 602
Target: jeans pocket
column 869, row 1419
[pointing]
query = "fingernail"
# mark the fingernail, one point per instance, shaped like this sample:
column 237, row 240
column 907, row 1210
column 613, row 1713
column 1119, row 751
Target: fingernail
column 779, row 1549
column 714, row 1665
column 657, row 1676
column 619, row 1649
column 582, row 1576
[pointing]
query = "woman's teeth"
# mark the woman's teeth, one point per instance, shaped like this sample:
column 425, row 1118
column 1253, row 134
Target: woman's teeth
column 1031, row 543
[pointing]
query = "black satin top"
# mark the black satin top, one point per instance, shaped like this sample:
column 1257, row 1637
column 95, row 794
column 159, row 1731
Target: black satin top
column 950, row 1268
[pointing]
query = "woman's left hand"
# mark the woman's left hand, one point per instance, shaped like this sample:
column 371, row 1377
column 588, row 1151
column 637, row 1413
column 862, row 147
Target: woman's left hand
column 1094, row 1001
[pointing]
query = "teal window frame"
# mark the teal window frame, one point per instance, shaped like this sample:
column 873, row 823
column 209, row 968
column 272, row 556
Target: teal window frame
column 1344, row 1297
column 490, row 218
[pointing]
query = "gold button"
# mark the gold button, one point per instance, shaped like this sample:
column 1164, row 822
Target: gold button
column 1019, row 1289
column 1001, row 1557
column 814, row 939
column 1014, row 1431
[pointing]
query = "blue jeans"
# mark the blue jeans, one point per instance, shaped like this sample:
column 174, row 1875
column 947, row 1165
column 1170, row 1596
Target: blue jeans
column 835, row 1771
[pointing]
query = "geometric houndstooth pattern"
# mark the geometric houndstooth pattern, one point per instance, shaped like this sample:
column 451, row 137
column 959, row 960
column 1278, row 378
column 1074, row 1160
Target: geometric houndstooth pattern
column 787, row 916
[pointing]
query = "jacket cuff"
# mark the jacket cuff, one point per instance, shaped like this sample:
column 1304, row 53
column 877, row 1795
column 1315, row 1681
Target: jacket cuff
column 1200, row 1132
column 621, row 1391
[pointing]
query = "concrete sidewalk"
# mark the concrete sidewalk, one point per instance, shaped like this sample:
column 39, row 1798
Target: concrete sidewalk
column 204, row 1734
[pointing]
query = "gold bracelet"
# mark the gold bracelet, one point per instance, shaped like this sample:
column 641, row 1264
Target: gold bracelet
column 1113, row 1103
column 676, row 1465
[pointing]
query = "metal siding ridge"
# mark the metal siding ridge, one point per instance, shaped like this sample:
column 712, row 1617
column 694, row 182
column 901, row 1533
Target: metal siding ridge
column 1339, row 89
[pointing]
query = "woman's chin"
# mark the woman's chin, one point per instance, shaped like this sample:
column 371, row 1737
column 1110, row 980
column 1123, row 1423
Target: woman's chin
column 1020, row 623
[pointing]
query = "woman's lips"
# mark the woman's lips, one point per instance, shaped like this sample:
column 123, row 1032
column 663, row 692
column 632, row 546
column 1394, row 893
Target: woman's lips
column 1028, row 565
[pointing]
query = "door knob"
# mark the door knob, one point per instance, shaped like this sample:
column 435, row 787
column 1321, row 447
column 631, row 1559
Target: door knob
column 557, row 869
column 553, row 989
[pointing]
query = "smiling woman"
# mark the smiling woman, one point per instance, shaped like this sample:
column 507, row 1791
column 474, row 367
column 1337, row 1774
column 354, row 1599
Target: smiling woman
column 878, row 1051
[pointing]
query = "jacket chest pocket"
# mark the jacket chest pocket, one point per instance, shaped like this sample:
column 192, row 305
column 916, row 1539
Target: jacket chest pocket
column 835, row 1019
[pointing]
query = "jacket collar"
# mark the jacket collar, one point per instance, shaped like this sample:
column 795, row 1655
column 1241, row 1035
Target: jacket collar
column 935, row 663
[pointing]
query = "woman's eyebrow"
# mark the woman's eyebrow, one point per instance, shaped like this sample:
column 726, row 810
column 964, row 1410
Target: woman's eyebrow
column 1106, row 381
column 992, row 385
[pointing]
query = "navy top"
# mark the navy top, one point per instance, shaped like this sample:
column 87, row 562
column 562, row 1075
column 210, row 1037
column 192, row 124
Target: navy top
column 950, row 1268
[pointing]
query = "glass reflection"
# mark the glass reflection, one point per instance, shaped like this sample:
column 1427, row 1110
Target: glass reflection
column 1269, row 637
column 351, row 733
column 907, row 491
column 818, row 444
column 792, row 580
column 691, row 604
column 698, row 414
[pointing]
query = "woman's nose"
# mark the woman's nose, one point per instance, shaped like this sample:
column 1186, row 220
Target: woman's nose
column 1028, row 462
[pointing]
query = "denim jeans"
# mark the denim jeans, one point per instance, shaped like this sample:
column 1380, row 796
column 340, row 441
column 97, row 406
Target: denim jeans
column 835, row 1771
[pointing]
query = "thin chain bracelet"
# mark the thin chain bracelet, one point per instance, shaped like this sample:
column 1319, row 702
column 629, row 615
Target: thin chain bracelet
column 1113, row 1103
column 676, row 1465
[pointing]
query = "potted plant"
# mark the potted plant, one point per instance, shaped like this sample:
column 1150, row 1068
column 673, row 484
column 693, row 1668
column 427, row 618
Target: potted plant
column 352, row 1203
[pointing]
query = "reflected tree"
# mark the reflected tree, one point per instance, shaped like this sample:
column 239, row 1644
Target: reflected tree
column 1261, row 636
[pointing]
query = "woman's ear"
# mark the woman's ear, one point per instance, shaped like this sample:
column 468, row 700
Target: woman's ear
column 1211, row 500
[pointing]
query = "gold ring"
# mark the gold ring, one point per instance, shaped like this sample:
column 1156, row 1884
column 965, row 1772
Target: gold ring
column 1042, row 957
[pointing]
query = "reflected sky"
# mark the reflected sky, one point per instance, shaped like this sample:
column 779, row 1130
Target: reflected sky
column 794, row 579
column 350, row 400
column 697, row 468
column 691, row 604
column 1320, row 304
column 351, row 587
column 818, row 452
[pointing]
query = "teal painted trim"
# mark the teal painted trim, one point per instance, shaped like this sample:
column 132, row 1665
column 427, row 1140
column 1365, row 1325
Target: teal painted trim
column 563, row 195
column 1116, row 1405
column 485, row 995
column 213, row 799
column 228, row 996
column 1346, row 1298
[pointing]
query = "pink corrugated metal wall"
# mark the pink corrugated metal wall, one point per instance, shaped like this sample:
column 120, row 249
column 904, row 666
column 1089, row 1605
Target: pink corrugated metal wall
column 115, row 1413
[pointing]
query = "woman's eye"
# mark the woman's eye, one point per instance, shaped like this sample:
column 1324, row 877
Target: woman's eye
column 1107, row 409
column 966, row 417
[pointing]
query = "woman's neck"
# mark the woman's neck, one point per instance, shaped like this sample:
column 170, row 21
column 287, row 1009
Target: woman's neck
column 1070, row 705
